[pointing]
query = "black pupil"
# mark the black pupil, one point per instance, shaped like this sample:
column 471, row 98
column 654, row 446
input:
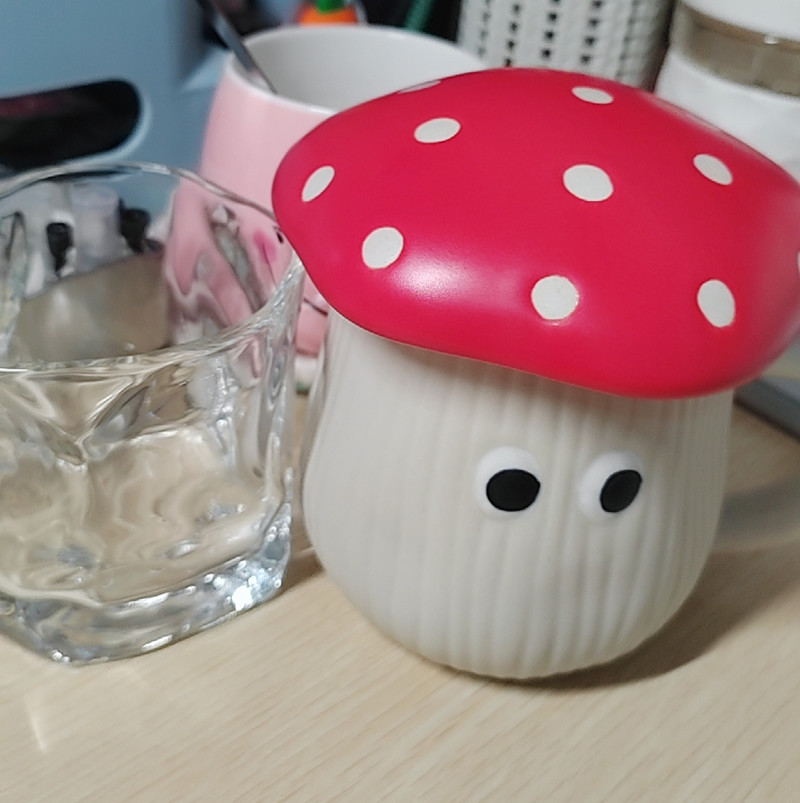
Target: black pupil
column 512, row 489
column 620, row 490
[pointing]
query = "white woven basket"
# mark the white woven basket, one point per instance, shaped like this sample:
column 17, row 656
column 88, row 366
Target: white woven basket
column 619, row 39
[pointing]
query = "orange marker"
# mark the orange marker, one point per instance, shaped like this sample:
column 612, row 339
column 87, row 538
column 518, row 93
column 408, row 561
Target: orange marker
column 323, row 12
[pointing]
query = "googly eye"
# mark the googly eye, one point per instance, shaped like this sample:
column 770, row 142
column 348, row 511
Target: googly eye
column 610, row 485
column 507, row 481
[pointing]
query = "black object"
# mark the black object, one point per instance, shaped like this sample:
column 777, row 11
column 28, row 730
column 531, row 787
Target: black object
column 512, row 489
column 619, row 490
column 53, row 126
column 441, row 21
column 133, row 224
column 59, row 241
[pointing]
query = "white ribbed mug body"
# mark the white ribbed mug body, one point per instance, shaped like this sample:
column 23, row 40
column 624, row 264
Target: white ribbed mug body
column 401, row 446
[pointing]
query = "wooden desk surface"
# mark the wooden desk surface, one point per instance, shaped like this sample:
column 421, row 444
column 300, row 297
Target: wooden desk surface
column 303, row 700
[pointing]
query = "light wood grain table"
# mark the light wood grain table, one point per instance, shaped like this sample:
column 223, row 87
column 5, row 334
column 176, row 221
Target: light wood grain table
column 303, row 700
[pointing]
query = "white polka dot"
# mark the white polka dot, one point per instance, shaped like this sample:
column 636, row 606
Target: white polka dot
column 317, row 183
column 440, row 129
column 716, row 302
column 554, row 298
column 592, row 95
column 418, row 87
column 713, row 169
column 587, row 182
column 382, row 247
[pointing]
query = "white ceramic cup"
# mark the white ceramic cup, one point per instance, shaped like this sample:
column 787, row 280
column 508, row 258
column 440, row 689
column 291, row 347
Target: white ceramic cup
column 316, row 71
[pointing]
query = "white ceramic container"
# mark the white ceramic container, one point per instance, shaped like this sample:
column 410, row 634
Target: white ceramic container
column 515, row 457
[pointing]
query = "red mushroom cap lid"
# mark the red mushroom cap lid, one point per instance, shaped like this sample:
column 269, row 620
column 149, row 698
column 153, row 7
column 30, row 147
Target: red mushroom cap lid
column 555, row 223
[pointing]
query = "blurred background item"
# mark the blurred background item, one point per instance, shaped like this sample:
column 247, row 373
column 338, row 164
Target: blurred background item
column 90, row 78
column 117, row 80
column 437, row 17
column 736, row 64
column 619, row 39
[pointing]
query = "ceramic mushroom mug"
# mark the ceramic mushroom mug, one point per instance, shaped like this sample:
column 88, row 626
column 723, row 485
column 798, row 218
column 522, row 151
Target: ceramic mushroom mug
column 517, row 447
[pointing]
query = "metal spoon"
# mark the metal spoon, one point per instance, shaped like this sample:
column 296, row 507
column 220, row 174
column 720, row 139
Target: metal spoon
column 230, row 36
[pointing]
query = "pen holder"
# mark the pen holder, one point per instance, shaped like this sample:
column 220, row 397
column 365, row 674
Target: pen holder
column 620, row 39
column 515, row 458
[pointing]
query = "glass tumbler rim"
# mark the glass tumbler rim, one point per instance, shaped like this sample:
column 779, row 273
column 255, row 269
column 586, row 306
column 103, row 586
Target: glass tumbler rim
column 200, row 347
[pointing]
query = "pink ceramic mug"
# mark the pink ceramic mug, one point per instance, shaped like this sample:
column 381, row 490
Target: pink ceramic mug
column 317, row 71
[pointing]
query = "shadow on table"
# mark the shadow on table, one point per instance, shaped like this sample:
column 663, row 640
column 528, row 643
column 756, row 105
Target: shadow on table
column 303, row 564
column 734, row 587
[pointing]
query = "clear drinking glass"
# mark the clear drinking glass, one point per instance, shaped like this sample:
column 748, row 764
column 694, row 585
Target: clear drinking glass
column 147, row 329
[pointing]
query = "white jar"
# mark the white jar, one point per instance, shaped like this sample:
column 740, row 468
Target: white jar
column 737, row 64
